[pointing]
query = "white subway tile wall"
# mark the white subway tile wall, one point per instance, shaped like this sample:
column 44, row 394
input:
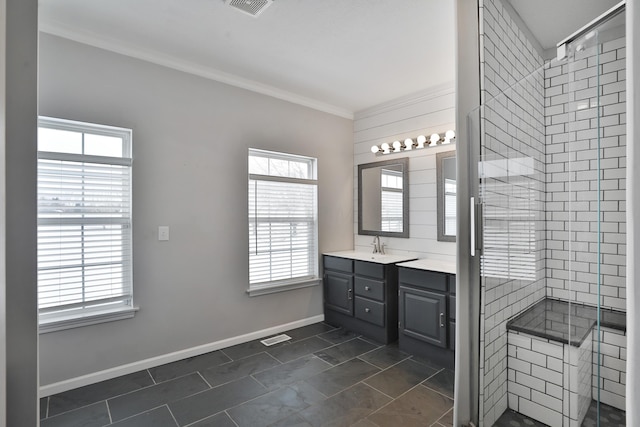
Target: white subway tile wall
column 613, row 357
column 549, row 381
column 547, row 112
column 513, row 131
column 571, row 119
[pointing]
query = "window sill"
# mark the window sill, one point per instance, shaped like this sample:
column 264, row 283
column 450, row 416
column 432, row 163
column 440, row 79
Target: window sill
column 282, row 287
column 69, row 322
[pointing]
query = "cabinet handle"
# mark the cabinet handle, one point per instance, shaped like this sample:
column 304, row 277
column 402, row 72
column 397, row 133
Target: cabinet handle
column 366, row 288
column 442, row 320
column 367, row 309
column 349, row 291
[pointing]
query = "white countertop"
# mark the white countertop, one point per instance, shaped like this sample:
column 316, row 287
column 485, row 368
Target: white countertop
column 371, row 257
column 431, row 265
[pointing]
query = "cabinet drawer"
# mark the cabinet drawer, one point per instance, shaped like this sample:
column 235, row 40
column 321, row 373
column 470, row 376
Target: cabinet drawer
column 340, row 264
column 423, row 279
column 370, row 269
column 452, row 307
column 452, row 283
column 370, row 311
column 368, row 288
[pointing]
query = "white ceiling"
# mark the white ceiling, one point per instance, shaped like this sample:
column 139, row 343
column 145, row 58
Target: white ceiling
column 551, row 21
column 340, row 56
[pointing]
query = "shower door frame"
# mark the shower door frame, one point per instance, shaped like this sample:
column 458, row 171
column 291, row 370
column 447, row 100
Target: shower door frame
column 467, row 391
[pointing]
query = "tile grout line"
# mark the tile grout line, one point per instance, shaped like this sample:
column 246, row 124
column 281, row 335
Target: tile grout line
column 128, row 417
column 106, row 402
column 443, row 415
column 230, row 358
column 172, row 416
column 204, row 379
column 231, row 418
column 379, row 391
column 151, row 376
column 434, row 390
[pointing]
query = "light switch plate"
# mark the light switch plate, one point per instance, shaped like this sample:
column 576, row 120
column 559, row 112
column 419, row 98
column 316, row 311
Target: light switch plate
column 163, row 232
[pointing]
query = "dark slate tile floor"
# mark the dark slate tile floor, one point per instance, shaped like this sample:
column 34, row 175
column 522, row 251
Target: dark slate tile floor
column 323, row 376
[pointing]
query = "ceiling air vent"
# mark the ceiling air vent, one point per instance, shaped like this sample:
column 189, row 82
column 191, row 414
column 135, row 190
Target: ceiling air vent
column 250, row 7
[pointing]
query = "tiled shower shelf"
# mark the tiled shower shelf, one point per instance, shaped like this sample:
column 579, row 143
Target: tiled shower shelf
column 568, row 323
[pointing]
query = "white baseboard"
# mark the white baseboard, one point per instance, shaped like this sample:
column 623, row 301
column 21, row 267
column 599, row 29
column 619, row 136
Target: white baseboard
column 107, row 374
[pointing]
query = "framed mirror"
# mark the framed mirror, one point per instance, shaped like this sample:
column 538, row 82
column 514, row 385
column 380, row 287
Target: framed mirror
column 383, row 198
column 446, row 189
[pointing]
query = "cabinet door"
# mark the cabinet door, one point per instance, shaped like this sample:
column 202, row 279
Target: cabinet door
column 338, row 292
column 423, row 316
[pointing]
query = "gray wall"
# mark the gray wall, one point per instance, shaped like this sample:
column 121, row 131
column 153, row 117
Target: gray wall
column 190, row 141
column 18, row 311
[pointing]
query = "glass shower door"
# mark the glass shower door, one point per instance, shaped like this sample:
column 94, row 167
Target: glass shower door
column 550, row 237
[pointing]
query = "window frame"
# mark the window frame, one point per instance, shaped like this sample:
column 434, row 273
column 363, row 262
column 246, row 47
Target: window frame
column 311, row 279
column 50, row 319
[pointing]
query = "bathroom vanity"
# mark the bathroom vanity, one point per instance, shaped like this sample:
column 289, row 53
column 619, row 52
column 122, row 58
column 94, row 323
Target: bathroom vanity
column 361, row 293
column 427, row 310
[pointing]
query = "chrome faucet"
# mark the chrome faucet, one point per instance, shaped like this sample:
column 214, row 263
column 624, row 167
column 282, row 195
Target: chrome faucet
column 377, row 247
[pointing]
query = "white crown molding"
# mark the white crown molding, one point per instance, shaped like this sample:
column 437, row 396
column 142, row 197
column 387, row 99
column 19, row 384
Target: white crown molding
column 107, row 374
column 172, row 62
column 444, row 89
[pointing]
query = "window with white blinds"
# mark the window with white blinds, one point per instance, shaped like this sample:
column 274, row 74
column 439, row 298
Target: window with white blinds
column 283, row 221
column 84, row 220
column 450, row 197
column 391, row 200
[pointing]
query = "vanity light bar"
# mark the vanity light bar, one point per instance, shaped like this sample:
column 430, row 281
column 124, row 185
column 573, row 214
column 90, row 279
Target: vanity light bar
column 409, row 144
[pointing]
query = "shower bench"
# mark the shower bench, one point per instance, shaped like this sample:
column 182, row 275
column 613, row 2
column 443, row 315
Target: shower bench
column 553, row 361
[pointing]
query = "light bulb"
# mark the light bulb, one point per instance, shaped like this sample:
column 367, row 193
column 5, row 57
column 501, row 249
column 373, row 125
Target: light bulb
column 375, row 149
column 385, row 147
column 408, row 144
column 396, row 146
column 435, row 138
column 448, row 136
column 421, row 140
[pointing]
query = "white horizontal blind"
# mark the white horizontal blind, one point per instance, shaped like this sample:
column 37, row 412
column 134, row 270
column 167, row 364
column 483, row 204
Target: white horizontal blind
column 283, row 244
column 391, row 200
column 450, row 207
column 84, row 219
column 509, row 229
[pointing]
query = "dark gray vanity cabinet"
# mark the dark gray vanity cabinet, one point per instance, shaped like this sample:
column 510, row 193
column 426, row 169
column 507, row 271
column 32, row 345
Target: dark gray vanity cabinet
column 427, row 314
column 423, row 315
column 362, row 296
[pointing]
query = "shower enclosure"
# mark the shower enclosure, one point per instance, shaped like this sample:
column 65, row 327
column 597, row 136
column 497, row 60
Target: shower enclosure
column 549, row 223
